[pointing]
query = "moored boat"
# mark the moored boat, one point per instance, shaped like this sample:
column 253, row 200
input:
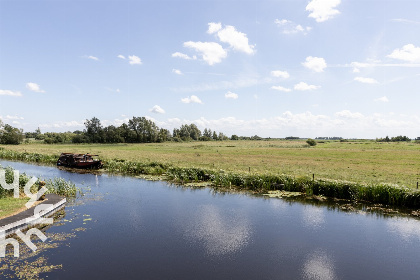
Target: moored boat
column 85, row 161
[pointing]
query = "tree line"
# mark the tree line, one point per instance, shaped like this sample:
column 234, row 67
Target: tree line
column 137, row 130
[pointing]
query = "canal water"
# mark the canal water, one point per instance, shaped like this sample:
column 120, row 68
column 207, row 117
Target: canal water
column 137, row 229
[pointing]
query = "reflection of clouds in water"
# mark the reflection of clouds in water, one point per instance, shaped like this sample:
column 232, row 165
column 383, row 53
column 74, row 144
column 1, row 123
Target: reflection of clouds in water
column 318, row 265
column 404, row 227
column 220, row 233
column 278, row 204
column 313, row 217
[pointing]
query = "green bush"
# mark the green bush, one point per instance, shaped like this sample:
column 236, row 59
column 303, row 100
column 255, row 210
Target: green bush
column 311, row 142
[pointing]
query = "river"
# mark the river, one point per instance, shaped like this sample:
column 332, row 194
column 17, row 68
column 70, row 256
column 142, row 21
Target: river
column 138, row 229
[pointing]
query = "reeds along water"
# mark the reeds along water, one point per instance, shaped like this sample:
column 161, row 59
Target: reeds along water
column 388, row 194
column 56, row 185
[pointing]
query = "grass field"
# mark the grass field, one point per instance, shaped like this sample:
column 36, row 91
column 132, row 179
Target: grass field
column 356, row 161
column 9, row 206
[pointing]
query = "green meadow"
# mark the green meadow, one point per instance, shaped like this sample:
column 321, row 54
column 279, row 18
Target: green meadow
column 363, row 161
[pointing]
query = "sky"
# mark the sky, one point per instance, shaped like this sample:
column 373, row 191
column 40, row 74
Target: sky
column 304, row 68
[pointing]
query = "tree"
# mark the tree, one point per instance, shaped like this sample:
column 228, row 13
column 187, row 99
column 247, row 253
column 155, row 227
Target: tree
column 10, row 134
column 207, row 133
column 94, row 130
column 234, row 137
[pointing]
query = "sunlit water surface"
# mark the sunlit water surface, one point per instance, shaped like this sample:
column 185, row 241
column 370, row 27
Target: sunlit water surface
column 138, row 229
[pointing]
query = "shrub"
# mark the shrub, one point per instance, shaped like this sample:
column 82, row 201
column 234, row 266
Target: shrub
column 311, row 142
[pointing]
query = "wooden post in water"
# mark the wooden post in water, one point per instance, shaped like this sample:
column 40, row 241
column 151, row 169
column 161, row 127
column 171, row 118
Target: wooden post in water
column 249, row 169
column 313, row 177
column 417, row 185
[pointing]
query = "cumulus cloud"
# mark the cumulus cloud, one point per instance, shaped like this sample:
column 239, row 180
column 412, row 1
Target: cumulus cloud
column 157, row 110
column 183, row 56
column 408, row 53
column 134, row 59
column 316, row 64
column 382, row 99
column 231, row 95
column 304, row 86
column 121, row 56
column 323, row 10
column 177, row 71
column 289, row 27
column 214, row 27
column 280, row 74
column 237, row 40
column 191, row 99
column 10, row 92
column 280, row 88
column 366, row 80
column 211, row 52
column 34, row 87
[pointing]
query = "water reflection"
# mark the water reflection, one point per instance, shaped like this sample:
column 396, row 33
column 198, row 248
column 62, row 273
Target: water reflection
column 220, row 233
column 319, row 265
column 313, row 217
column 407, row 229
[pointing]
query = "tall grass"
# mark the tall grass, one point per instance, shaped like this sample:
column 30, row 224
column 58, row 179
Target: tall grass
column 57, row 185
column 29, row 157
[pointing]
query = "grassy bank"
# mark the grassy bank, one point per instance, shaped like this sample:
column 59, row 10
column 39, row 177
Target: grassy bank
column 360, row 170
column 10, row 205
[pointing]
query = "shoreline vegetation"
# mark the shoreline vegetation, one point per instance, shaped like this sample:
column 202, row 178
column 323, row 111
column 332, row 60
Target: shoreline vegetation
column 172, row 162
column 10, row 206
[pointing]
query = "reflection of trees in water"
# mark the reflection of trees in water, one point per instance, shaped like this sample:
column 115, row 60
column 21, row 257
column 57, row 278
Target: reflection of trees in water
column 220, row 233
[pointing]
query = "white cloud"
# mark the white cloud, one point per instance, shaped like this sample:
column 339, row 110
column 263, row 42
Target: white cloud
column 192, row 99
column 346, row 114
column 211, row 52
column 113, row 90
column 366, row 80
column 183, row 56
column 231, row 95
column 382, row 99
column 316, row 64
column 134, row 59
column 408, row 53
column 63, row 124
column 289, row 27
column 280, row 74
column 305, row 86
column 280, row 88
column 92, row 57
column 177, row 71
column 322, row 10
column 34, row 87
column 241, row 82
column 10, row 92
column 9, row 117
column 405, row 21
column 121, row 56
column 237, row 40
column 214, row 27
column 157, row 110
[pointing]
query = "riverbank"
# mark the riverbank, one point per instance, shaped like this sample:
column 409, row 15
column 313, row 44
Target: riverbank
column 266, row 162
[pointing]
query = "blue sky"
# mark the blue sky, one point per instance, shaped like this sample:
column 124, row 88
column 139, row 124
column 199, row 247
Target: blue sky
column 272, row 68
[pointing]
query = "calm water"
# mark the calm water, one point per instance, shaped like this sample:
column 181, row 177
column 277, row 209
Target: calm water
column 151, row 230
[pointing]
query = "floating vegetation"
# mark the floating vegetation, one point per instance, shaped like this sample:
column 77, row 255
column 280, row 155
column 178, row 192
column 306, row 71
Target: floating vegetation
column 283, row 194
column 31, row 264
